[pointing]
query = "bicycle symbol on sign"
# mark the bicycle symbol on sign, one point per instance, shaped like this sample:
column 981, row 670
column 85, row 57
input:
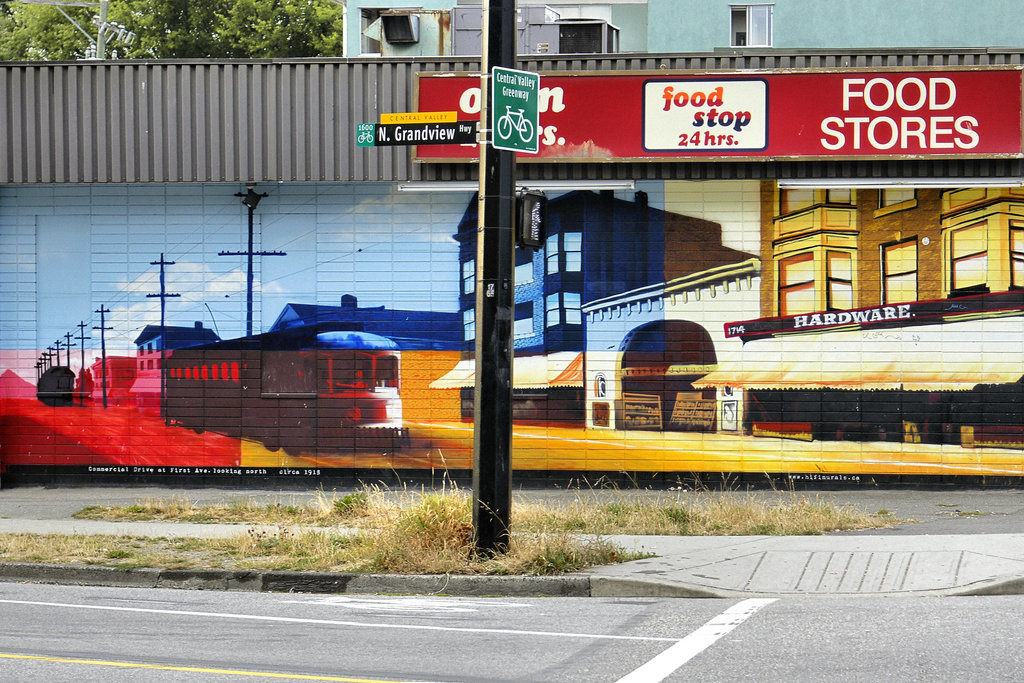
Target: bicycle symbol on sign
column 364, row 137
column 514, row 120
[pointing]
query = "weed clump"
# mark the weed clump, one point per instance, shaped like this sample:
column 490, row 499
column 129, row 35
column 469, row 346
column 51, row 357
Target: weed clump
column 433, row 535
column 351, row 505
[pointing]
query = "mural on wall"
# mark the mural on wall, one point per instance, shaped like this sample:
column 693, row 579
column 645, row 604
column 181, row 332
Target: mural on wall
column 730, row 326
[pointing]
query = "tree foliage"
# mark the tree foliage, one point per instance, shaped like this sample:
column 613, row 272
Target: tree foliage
column 167, row 29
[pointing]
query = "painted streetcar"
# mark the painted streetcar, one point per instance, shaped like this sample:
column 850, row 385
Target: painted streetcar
column 56, row 386
column 304, row 391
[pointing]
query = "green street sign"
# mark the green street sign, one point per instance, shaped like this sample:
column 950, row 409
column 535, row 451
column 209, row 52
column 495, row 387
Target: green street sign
column 515, row 120
column 365, row 132
column 394, row 134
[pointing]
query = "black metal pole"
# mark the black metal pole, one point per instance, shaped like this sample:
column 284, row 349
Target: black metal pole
column 495, row 304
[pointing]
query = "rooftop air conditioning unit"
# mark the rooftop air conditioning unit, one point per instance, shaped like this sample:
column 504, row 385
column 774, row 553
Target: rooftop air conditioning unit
column 587, row 35
column 400, row 28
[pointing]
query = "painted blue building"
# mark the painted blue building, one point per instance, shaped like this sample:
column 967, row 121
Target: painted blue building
column 596, row 244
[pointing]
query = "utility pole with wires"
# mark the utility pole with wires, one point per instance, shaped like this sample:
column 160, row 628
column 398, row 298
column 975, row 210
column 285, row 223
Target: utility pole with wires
column 68, row 336
column 163, row 296
column 106, row 30
column 251, row 200
column 103, row 310
column 59, row 345
column 81, row 373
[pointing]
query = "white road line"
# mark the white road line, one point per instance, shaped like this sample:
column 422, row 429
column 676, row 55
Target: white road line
column 662, row 666
column 335, row 622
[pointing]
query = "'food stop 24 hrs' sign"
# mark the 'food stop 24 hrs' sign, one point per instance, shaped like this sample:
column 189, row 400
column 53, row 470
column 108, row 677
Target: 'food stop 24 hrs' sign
column 515, row 123
column 705, row 115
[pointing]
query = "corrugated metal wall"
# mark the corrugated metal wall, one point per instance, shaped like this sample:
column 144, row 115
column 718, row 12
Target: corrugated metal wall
column 283, row 121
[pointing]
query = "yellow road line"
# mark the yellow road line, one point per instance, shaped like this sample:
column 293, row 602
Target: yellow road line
column 195, row 669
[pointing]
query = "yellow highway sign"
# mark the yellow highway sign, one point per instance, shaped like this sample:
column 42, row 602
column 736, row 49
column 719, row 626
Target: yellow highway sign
column 419, row 117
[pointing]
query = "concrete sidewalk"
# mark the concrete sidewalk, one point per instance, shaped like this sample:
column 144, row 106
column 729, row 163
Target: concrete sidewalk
column 838, row 565
column 959, row 546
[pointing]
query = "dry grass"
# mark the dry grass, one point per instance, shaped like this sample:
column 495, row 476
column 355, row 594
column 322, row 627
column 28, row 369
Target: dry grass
column 690, row 513
column 430, row 534
column 700, row 514
column 419, row 532
column 322, row 510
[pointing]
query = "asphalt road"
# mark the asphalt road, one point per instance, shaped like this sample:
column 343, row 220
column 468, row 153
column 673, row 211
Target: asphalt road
column 63, row 633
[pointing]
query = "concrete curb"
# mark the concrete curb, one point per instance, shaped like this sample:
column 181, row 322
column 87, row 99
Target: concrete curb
column 572, row 585
column 298, row 582
column 621, row 587
column 1011, row 585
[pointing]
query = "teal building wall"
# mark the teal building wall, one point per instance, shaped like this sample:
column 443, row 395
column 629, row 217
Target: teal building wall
column 703, row 25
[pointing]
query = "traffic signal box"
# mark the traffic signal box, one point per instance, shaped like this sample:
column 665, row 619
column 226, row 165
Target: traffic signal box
column 531, row 217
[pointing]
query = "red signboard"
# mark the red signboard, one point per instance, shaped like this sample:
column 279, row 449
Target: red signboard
column 659, row 116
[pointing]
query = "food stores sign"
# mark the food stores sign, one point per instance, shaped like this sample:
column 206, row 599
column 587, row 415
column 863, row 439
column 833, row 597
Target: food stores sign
column 851, row 114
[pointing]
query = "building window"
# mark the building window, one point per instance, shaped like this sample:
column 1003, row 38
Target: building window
column 839, row 266
column 796, row 284
column 573, row 247
column 469, row 276
column 563, row 308
column 899, row 272
column 751, row 26
column 552, row 311
column 551, row 254
column 524, row 273
column 839, row 196
column 469, row 324
column 892, row 196
column 523, row 326
column 895, row 199
column 968, row 249
column 564, row 253
column 573, row 310
column 1016, row 255
column 791, row 201
column 368, row 45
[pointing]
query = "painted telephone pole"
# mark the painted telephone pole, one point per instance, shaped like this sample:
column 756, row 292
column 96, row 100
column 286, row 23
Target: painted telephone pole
column 251, row 200
column 495, row 303
column 103, row 310
column 81, row 373
column 163, row 296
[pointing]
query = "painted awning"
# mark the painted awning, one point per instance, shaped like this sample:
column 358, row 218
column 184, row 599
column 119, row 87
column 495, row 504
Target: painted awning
column 145, row 384
column 456, row 378
column 560, row 369
column 947, row 357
